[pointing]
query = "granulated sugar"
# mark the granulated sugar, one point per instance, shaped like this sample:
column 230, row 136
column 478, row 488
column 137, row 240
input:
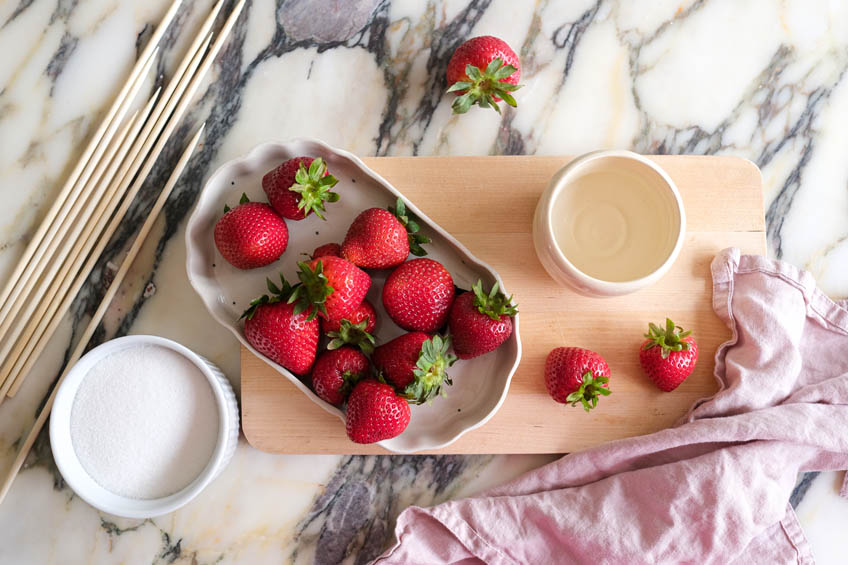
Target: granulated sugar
column 144, row 422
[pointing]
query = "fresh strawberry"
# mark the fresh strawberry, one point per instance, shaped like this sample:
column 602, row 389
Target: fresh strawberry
column 480, row 322
column 375, row 412
column 418, row 295
column 333, row 286
column 277, row 330
column 669, row 355
column 299, row 187
column 327, row 250
column 381, row 239
column 251, row 235
column 355, row 329
column 573, row 374
column 336, row 372
column 416, row 365
column 483, row 70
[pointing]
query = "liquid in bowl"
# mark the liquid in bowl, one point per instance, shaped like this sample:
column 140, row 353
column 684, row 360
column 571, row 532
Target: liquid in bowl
column 614, row 224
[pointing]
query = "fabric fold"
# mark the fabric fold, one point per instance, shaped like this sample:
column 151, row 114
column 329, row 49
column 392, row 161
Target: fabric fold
column 712, row 489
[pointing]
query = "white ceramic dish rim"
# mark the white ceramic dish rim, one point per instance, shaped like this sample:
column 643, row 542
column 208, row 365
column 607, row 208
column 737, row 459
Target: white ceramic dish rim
column 193, row 225
column 612, row 287
column 70, row 466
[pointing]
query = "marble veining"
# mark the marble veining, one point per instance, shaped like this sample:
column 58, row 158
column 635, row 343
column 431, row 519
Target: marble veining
column 764, row 80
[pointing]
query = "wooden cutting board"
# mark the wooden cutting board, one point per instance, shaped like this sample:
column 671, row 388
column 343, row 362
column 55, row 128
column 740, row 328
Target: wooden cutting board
column 487, row 203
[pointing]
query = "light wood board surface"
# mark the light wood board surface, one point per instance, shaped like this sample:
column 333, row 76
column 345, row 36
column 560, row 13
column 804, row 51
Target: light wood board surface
column 487, row 203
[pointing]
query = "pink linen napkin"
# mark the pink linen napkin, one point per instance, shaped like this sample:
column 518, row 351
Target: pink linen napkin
column 712, row 489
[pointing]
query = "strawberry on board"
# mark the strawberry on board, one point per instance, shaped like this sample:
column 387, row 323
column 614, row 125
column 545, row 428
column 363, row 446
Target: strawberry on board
column 332, row 286
column 381, row 239
column 275, row 328
column 356, row 328
column 251, row 235
column 328, row 249
column 418, row 295
column 416, row 365
column 480, row 322
column 335, row 373
column 668, row 355
column 299, row 187
column 576, row 375
column 482, row 71
column 375, row 412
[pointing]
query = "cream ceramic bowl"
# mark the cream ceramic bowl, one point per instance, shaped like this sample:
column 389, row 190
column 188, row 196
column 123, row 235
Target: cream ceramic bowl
column 86, row 487
column 609, row 223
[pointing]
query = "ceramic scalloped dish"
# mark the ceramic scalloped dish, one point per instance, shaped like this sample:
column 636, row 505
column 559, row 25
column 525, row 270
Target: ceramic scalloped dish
column 480, row 384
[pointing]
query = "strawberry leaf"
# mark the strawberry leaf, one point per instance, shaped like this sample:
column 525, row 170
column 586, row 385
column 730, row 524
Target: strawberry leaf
column 313, row 290
column 314, row 187
column 494, row 304
column 410, row 222
column 590, row 388
column 671, row 338
column 352, row 334
column 483, row 86
column 431, row 371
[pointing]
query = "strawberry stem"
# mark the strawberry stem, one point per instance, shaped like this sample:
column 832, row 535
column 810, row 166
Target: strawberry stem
column 276, row 294
column 431, row 371
column 410, row 222
column 313, row 291
column 352, row 334
column 483, row 86
column 494, row 304
column 668, row 339
column 590, row 388
column 314, row 187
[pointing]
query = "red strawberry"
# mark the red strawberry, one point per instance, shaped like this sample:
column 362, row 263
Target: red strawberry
column 299, row 187
column 483, row 70
column 573, row 374
column 480, row 322
column 277, row 330
column 416, row 365
column 380, row 239
column 333, row 286
column 375, row 413
column 251, row 235
column 336, row 372
column 669, row 355
column 418, row 295
column 355, row 329
column 328, row 249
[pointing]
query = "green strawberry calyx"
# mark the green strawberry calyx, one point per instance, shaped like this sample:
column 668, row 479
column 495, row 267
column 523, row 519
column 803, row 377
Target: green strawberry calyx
column 243, row 200
column 314, row 187
column 587, row 393
column 494, row 304
column 410, row 222
column 349, row 380
column 431, row 371
column 313, row 290
column 483, row 86
column 352, row 334
column 669, row 339
column 275, row 294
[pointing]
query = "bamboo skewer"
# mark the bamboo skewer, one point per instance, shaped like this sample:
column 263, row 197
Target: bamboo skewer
column 98, row 315
column 63, row 222
column 92, row 152
column 142, row 158
column 47, row 306
column 187, row 93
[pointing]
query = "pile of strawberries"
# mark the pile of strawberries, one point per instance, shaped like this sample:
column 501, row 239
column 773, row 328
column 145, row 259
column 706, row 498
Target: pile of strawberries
column 375, row 383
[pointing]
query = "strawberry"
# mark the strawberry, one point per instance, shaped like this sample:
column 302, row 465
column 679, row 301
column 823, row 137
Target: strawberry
column 418, row 295
column 668, row 355
column 251, row 235
column 415, row 364
column 381, row 239
column 483, row 70
column 480, row 322
column 356, row 329
column 275, row 329
column 573, row 374
column 328, row 249
column 375, row 412
column 299, row 187
column 333, row 286
column 336, row 372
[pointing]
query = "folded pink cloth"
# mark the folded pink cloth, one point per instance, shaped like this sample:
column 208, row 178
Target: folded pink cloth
column 712, row 489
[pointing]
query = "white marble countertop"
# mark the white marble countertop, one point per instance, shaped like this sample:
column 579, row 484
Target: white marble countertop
column 765, row 80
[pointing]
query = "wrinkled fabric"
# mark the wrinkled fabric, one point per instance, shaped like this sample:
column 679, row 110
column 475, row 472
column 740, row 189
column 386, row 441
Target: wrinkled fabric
column 712, row 489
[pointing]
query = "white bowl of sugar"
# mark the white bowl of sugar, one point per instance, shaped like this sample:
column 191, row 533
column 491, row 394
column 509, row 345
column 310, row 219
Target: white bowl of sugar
column 141, row 425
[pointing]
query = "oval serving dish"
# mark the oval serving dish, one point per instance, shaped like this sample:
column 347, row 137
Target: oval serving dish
column 480, row 384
